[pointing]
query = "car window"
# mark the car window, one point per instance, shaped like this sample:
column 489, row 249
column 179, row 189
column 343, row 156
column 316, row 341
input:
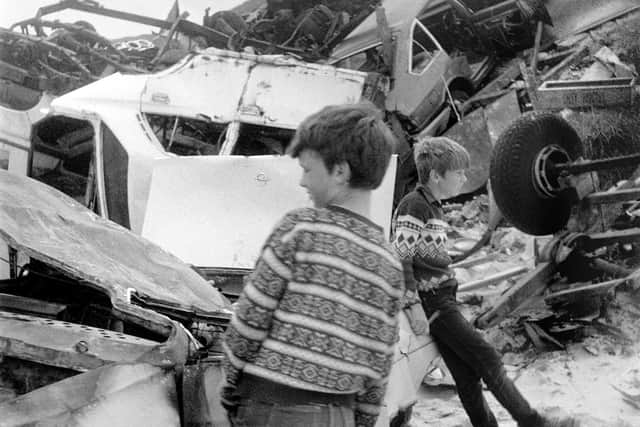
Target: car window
column 423, row 48
column 186, row 136
column 257, row 140
column 369, row 60
column 63, row 157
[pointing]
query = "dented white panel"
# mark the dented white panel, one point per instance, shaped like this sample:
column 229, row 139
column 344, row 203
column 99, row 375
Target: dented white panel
column 206, row 84
column 287, row 95
column 226, row 86
column 15, row 125
column 218, row 211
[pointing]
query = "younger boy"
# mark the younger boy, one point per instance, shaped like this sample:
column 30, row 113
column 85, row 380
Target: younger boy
column 312, row 337
column 420, row 239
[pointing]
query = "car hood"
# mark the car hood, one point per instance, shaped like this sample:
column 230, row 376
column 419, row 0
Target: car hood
column 217, row 211
column 53, row 228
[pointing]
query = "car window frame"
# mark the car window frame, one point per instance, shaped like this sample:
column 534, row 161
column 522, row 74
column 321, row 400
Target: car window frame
column 410, row 41
column 352, row 54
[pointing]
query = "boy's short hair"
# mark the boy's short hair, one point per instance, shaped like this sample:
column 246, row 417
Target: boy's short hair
column 440, row 154
column 352, row 133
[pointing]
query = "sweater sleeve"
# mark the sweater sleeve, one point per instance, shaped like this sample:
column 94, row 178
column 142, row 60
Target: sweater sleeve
column 370, row 400
column 368, row 403
column 252, row 318
column 419, row 239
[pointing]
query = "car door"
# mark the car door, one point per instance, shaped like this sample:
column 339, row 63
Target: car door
column 419, row 69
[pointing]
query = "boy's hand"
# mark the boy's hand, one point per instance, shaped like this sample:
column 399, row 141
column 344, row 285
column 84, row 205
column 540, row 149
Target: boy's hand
column 229, row 400
column 417, row 319
column 410, row 298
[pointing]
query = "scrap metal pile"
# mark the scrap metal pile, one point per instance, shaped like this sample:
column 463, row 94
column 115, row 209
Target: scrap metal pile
column 501, row 59
column 558, row 174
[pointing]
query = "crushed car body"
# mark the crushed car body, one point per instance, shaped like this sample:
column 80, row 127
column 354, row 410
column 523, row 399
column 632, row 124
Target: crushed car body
column 401, row 47
column 98, row 325
column 219, row 112
column 93, row 311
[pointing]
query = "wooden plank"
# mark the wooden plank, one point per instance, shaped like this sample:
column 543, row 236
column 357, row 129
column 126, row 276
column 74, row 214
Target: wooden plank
column 577, row 54
column 474, row 261
column 557, row 56
column 531, row 83
column 529, row 285
column 595, row 287
column 505, row 78
column 536, row 48
column 491, row 280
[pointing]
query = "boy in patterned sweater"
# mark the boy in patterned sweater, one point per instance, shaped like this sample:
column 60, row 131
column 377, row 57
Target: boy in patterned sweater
column 312, row 337
column 419, row 236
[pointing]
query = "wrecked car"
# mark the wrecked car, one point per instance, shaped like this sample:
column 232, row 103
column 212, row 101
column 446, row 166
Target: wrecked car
column 435, row 52
column 109, row 323
column 394, row 42
column 205, row 136
column 97, row 325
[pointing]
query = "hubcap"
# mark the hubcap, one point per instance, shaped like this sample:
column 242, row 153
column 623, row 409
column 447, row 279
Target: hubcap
column 545, row 176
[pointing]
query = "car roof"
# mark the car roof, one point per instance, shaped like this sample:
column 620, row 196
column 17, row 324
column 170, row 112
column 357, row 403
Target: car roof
column 398, row 13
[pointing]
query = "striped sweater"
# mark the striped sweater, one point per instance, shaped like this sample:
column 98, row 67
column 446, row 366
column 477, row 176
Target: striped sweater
column 420, row 238
column 320, row 310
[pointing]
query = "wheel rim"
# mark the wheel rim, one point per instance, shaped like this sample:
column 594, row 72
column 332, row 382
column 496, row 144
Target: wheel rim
column 545, row 176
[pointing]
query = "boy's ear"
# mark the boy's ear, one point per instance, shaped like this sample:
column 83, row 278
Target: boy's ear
column 434, row 176
column 342, row 172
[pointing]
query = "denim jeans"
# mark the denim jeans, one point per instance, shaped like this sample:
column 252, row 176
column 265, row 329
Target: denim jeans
column 470, row 358
column 254, row 413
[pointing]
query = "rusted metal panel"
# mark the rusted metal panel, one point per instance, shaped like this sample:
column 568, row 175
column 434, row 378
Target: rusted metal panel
column 211, row 85
column 112, row 396
column 559, row 94
column 283, row 95
column 226, row 86
column 67, row 345
column 54, row 228
column 501, row 113
column 575, row 16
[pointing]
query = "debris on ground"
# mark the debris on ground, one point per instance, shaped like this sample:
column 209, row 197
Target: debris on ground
column 561, row 308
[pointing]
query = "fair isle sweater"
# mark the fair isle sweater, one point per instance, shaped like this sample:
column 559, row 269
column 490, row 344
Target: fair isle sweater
column 320, row 310
column 419, row 235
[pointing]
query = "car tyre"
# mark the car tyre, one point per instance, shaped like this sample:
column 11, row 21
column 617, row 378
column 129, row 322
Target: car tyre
column 522, row 184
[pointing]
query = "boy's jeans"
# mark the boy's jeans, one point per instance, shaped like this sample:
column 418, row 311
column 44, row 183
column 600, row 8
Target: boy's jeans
column 253, row 413
column 470, row 358
column 268, row 404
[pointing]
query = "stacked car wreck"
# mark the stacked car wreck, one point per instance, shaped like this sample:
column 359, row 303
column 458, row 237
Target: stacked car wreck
column 189, row 155
column 97, row 322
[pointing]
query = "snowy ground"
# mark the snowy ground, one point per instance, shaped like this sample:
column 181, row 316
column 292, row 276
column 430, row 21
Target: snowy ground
column 573, row 382
column 585, row 380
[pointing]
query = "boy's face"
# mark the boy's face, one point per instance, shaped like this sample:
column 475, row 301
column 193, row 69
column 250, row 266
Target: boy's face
column 321, row 184
column 450, row 184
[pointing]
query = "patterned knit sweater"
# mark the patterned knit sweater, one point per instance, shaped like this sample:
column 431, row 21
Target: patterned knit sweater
column 320, row 310
column 420, row 238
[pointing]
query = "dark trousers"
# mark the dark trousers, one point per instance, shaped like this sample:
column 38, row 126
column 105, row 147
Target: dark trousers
column 267, row 404
column 470, row 358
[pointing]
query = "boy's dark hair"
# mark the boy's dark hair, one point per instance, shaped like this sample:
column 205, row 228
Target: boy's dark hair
column 440, row 154
column 352, row 133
